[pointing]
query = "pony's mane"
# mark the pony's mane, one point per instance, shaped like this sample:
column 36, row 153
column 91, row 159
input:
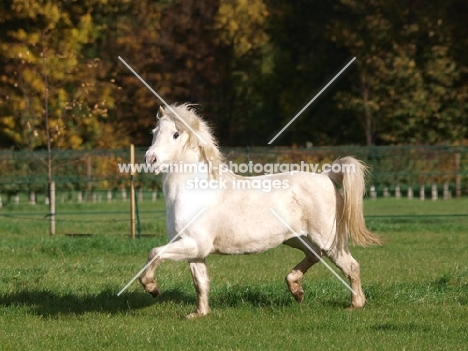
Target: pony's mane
column 209, row 151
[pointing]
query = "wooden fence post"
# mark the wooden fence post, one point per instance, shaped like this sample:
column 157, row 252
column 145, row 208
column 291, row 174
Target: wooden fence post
column 132, row 193
column 32, row 198
column 434, row 192
column 410, row 193
column 397, row 192
column 52, row 207
column 447, row 194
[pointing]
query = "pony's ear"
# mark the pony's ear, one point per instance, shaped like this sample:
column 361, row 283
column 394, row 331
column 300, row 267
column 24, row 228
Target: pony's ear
column 160, row 112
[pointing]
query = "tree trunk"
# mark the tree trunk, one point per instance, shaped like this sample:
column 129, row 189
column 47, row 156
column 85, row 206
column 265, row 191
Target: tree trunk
column 51, row 184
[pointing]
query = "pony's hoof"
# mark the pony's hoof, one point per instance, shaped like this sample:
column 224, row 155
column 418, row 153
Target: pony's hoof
column 299, row 295
column 295, row 287
column 196, row 314
column 357, row 303
column 153, row 290
column 150, row 286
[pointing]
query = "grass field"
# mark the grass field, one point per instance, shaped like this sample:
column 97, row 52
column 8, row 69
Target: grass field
column 59, row 293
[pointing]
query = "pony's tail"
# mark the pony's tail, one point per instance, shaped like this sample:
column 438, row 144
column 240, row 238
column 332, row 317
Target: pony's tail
column 351, row 177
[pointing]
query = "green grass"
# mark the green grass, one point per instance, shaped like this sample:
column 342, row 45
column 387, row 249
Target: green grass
column 83, row 218
column 59, row 293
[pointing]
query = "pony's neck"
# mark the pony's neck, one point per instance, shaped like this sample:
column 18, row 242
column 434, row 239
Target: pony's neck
column 191, row 156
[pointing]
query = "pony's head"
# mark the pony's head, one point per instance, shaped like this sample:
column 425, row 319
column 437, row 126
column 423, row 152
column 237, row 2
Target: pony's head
column 181, row 135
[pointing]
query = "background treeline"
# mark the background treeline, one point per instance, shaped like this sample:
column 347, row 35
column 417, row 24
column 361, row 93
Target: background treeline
column 250, row 64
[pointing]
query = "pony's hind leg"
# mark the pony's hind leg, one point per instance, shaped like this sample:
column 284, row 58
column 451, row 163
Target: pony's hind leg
column 293, row 279
column 350, row 268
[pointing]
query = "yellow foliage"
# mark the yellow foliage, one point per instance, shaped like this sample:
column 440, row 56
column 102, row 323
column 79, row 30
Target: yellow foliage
column 8, row 121
column 240, row 24
column 74, row 142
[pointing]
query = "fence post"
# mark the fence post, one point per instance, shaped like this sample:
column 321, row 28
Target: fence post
column 397, row 192
column 421, row 192
column 410, row 193
column 447, row 194
column 434, row 192
column 32, row 198
column 132, row 193
column 52, row 207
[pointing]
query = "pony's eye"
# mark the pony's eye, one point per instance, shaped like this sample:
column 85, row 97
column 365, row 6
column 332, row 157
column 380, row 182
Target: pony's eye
column 176, row 135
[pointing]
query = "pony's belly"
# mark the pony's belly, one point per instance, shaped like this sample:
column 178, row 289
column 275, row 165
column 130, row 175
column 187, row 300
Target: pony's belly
column 247, row 245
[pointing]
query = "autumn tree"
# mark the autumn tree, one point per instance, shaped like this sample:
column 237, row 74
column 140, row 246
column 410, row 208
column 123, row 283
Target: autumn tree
column 406, row 88
column 242, row 64
column 207, row 52
column 46, row 40
column 51, row 97
column 251, row 65
column 301, row 60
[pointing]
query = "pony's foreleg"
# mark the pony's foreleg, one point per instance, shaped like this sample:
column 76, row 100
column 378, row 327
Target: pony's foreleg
column 147, row 278
column 350, row 268
column 201, row 282
column 293, row 279
column 183, row 249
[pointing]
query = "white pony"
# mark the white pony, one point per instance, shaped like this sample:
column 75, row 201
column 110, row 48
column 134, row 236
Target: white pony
column 238, row 220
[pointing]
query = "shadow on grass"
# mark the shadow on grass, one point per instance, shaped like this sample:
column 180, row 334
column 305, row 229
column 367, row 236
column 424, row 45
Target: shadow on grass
column 43, row 302
column 275, row 295
column 47, row 303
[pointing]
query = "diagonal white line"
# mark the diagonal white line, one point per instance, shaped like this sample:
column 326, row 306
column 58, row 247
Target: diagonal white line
column 312, row 250
column 159, row 253
column 162, row 100
column 311, row 101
